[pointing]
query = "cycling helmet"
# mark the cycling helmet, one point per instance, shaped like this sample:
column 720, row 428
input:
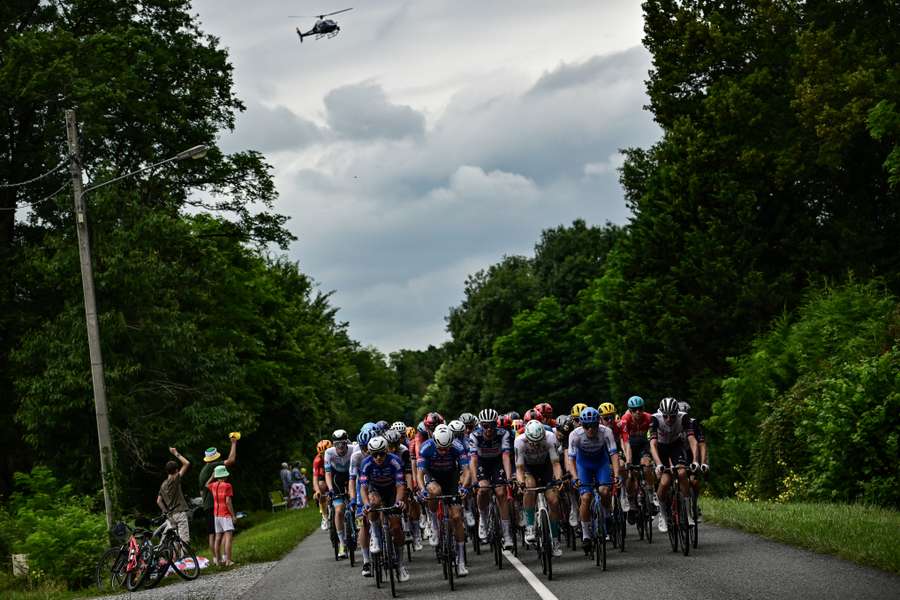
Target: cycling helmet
column 590, row 416
column 533, row 415
column 562, row 422
column 364, row 438
column 421, row 427
column 534, row 431
column 488, row 415
column 382, row 426
column 377, row 444
column 322, row 446
column 607, row 408
column 635, row 402
column 340, row 435
column 410, row 432
column 545, row 409
column 668, row 406
column 368, row 426
column 517, row 424
column 468, row 418
column 399, row 426
column 393, row 437
column 576, row 410
column 504, row 422
column 432, row 420
column 457, row 427
column 684, row 406
column 514, row 415
column 443, row 437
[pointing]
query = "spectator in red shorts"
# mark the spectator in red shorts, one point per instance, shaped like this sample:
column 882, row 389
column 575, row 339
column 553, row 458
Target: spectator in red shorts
column 223, row 511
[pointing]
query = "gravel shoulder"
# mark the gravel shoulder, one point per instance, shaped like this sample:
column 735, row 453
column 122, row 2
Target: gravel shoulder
column 224, row 585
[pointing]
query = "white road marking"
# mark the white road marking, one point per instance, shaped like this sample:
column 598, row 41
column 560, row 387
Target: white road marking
column 530, row 577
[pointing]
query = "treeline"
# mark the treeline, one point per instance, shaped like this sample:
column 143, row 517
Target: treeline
column 757, row 276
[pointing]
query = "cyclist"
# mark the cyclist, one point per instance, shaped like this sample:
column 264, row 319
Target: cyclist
column 459, row 432
column 470, row 421
column 702, row 459
column 399, row 427
column 591, row 449
column 319, row 479
column 564, row 426
column 547, row 411
column 537, row 464
column 443, row 468
column 397, row 448
column 356, row 460
column 635, row 424
column 489, row 450
column 668, row 429
column 337, row 474
column 576, row 412
column 382, row 485
column 609, row 417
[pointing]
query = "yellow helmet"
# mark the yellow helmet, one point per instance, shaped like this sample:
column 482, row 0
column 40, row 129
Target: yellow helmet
column 410, row 432
column 322, row 446
column 606, row 409
column 576, row 410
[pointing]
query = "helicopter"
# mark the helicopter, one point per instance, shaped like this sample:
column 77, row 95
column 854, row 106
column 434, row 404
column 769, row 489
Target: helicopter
column 323, row 27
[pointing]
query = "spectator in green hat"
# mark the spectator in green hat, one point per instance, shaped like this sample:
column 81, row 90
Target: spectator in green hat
column 223, row 509
column 211, row 460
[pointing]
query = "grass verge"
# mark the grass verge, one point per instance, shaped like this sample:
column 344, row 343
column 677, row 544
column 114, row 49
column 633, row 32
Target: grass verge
column 863, row 534
column 262, row 537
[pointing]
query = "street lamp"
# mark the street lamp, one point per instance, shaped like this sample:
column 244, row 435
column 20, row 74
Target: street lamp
column 90, row 301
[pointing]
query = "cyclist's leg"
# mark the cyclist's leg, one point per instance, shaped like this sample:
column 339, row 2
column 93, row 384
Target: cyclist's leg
column 529, row 499
column 503, row 504
column 434, row 489
column 586, row 490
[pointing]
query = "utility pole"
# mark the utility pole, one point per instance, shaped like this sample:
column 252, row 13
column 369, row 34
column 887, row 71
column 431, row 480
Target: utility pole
column 90, row 312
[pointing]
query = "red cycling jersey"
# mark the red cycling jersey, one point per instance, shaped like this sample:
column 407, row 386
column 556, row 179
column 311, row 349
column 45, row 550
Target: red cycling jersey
column 319, row 467
column 633, row 423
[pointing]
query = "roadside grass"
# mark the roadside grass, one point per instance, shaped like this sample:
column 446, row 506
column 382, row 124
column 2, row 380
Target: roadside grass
column 863, row 534
column 262, row 536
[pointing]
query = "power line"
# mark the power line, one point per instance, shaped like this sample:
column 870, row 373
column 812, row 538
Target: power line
column 44, row 199
column 62, row 164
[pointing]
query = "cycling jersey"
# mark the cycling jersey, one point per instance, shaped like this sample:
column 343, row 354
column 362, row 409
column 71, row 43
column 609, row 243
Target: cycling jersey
column 489, row 449
column 334, row 462
column 592, row 457
column 319, row 467
column 402, row 452
column 670, row 433
column 454, row 459
column 388, row 473
column 356, row 462
column 535, row 454
column 634, row 425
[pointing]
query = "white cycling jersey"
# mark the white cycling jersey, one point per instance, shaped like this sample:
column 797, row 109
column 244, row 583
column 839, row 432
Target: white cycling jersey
column 335, row 463
column 536, row 454
column 670, row 433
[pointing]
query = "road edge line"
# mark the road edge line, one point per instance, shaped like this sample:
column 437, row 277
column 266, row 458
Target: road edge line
column 542, row 590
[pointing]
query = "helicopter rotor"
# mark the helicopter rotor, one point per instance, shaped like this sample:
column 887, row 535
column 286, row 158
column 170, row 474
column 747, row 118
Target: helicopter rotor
column 337, row 12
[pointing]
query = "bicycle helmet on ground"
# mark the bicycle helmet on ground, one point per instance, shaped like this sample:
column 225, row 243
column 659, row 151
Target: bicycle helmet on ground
column 635, row 402
column 534, row 432
column 668, row 406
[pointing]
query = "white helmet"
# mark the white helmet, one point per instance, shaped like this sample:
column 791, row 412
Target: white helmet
column 534, row 432
column 457, row 427
column 377, row 444
column 399, row 426
column 442, row 436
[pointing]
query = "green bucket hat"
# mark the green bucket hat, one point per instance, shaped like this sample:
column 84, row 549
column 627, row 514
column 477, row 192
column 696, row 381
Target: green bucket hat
column 221, row 471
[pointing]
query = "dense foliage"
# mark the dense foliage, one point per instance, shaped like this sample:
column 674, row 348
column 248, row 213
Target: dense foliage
column 777, row 167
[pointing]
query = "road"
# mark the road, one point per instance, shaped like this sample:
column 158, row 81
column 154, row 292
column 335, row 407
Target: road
column 728, row 564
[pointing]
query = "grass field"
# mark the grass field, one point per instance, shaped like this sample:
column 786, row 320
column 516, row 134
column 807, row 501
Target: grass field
column 866, row 535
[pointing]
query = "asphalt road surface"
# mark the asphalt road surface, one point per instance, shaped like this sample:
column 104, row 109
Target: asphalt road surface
column 728, row 564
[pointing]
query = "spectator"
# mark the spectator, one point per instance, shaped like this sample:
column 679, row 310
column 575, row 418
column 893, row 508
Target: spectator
column 171, row 498
column 223, row 509
column 285, row 480
column 295, row 473
column 212, row 461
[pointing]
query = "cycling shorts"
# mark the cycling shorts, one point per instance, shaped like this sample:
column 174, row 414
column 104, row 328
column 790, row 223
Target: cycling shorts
column 672, row 454
column 388, row 494
column 542, row 473
column 640, row 447
column 591, row 474
column 448, row 480
column 491, row 471
column 339, row 481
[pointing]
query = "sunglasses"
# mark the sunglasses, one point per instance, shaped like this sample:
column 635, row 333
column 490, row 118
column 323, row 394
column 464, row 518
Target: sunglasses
column 590, row 425
column 379, row 454
column 610, row 418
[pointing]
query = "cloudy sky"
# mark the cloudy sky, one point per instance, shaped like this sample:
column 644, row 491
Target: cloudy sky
column 430, row 138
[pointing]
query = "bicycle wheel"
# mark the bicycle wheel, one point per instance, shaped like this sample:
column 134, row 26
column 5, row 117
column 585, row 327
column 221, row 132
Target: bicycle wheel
column 695, row 513
column 377, row 565
column 622, row 524
column 136, row 576
column 451, row 553
column 184, row 560
column 159, row 565
column 547, row 542
column 684, row 526
column 390, row 554
column 110, row 572
column 496, row 535
column 350, row 538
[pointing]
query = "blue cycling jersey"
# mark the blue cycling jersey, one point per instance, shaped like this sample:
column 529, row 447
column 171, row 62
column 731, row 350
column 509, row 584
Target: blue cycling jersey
column 388, row 473
column 453, row 459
